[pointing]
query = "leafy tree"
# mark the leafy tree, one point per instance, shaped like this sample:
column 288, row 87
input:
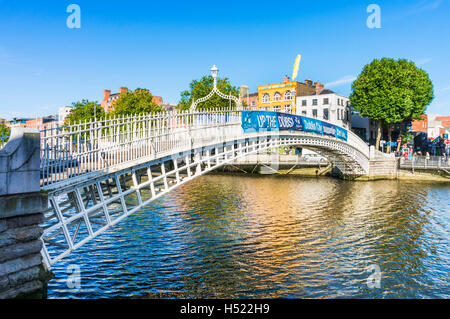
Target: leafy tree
column 135, row 102
column 84, row 110
column 201, row 88
column 4, row 131
column 391, row 91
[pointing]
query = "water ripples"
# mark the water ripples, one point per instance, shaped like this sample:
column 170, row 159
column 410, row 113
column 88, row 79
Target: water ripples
column 224, row 236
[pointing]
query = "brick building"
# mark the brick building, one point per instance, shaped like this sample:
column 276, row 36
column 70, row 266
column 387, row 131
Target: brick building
column 42, row 122
column 420, row 125
column 158, row 100
column 109, row 99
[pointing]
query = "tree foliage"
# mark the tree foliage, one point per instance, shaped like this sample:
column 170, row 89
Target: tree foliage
column 201, row 88
column 391, row 91
column 84, row 110
column 4, row 130
column 135, row 102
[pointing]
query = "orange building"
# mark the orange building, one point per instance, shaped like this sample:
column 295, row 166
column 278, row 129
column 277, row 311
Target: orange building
column 420, row 125
column 109, row 99
column 158, row 100
column 445, row 120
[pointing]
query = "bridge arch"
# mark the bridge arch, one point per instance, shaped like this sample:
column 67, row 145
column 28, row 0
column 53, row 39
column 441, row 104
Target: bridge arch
column 82, row 211
column 122, row 164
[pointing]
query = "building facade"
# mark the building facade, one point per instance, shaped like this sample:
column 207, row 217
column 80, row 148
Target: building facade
column 280, row 97
column 326, row 105
column 420, row 125
column 19, row 122
column 364, row 127
column 42, row 122
column 250, row 100
column 247, row 98
column 110, row 99
column 63, row 112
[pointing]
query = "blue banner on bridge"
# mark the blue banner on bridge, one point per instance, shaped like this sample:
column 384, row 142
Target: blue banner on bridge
column 264, row 121
column 259, row 121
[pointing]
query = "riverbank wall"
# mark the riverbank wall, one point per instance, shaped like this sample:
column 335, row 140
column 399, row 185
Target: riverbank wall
column 22, row 271
column 381, row 168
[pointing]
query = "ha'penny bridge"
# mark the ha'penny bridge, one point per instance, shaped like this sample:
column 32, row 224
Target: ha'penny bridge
column 63, row 186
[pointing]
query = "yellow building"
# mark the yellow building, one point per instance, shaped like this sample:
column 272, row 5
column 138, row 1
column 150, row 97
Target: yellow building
column 280, row 97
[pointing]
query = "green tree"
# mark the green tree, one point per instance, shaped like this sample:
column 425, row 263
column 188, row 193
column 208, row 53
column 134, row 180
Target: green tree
column 84, row 110
column 391, row 91
column 4, row 131
column 135, row 102
column 201, row 88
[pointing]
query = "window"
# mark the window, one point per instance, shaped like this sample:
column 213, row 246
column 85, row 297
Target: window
column 303, row 102
column 304, row 112
column 315, row 102
column 276, row 108
column 277, row 96
column 325, row 114
column 253, row 103
column 314, row 112
column 288, row 108
column 325, row 101
column 266, row 98
column 288, row 95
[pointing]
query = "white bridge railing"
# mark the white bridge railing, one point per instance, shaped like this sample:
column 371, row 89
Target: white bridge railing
column 72, row 151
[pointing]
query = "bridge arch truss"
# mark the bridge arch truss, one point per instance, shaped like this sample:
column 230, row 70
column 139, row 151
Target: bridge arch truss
column 156, row 160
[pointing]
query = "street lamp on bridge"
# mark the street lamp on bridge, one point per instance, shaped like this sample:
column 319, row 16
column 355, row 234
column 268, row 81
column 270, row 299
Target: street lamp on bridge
column 215, row 90
column 214, row 73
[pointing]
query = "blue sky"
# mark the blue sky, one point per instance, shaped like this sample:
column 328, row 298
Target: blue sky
column 163, row 45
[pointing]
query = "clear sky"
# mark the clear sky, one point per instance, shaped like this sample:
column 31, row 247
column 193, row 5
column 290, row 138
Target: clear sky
column 163, row 45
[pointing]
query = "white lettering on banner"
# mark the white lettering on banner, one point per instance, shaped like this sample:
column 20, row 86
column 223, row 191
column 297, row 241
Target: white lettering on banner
column 309, row 125
column 286, row 121
column 271, row 121
column 329, row 130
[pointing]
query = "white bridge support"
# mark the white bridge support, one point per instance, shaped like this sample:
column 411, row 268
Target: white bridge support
column 96, row 174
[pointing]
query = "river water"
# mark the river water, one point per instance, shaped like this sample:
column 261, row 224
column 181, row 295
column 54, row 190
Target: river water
column 241, row 236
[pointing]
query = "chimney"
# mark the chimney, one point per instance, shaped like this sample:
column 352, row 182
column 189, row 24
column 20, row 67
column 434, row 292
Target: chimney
column 319, row 87
column 123, row 90
column 106, row 94
column 286, row 79
column 243, row 92
column 308, row 82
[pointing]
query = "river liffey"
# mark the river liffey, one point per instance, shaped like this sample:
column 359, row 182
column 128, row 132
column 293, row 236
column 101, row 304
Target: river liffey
column 241, row 236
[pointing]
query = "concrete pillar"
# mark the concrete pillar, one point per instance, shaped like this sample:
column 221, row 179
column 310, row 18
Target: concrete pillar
column 371, row 151
column 22, row 272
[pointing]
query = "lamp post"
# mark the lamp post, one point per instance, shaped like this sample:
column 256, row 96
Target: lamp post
column 215, row 90
column 214, row 72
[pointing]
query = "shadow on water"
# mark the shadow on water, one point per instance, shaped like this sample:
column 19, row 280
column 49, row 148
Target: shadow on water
column 235, row 236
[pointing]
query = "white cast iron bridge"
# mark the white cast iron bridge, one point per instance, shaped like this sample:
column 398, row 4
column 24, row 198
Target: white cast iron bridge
column 98, row 173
